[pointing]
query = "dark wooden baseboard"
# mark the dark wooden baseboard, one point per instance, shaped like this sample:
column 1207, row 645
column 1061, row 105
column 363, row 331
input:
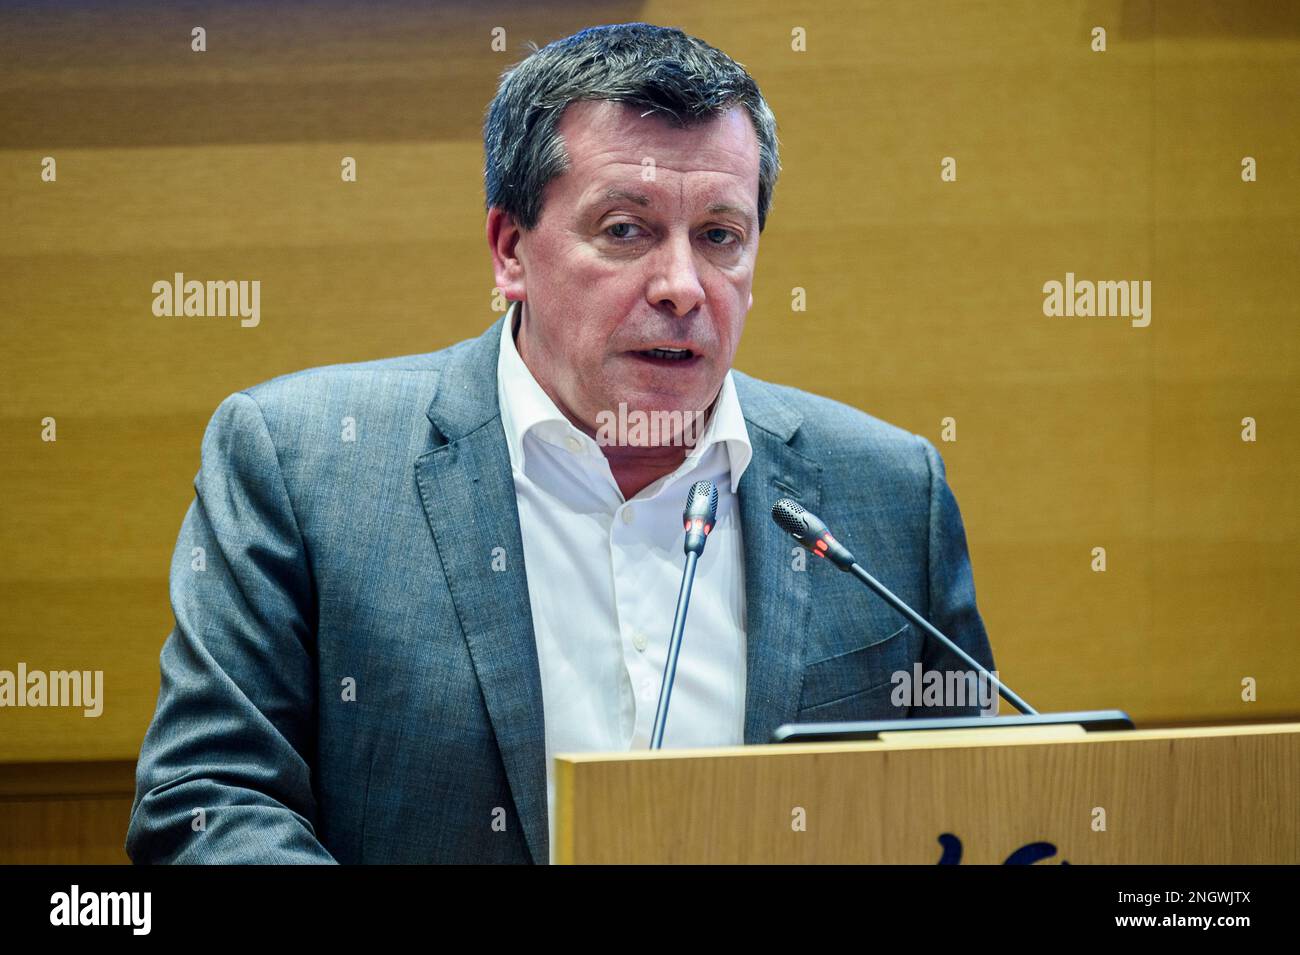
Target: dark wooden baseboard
column 65, row 812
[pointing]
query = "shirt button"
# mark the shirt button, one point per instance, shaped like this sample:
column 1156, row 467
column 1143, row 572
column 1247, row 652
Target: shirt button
column 574, row 444
column 627, row 514
column 639, row 641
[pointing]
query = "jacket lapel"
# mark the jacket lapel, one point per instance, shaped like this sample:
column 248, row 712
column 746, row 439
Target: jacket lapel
column 778, row 598
column 468, row 492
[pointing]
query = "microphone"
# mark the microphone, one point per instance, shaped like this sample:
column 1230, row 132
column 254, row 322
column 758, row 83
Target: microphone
column 701, row 511
column 807, row 528
column 699, row 517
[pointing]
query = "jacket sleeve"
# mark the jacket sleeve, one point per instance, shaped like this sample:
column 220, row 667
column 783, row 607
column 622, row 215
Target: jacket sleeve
column 952, row 607
column 225, row 770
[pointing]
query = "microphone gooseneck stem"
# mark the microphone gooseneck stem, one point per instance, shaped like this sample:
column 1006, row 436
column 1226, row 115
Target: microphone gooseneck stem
column 674, row 648
column 858, row 571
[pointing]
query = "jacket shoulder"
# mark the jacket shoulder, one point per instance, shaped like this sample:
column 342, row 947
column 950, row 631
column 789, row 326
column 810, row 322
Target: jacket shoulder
column 832, row 431
column 322, row 378
column 387, row 384
column 382, row 399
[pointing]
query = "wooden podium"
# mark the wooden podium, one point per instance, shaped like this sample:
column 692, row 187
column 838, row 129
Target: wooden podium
column 1226, row 794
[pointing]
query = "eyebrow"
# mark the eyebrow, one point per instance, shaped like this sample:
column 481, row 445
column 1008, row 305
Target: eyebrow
column 641, row 199
column 719, row 208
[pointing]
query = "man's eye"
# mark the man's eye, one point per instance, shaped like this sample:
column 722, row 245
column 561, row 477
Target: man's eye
column 622, row 225
column 723, row 234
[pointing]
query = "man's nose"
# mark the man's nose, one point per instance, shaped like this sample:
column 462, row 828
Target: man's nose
column 675, row 282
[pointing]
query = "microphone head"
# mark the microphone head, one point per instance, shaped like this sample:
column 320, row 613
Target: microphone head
column 789, row 516
column 702, row 501
column 700, row 514
column 807, row 528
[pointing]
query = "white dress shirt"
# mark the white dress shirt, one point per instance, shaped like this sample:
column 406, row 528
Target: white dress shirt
column 604, row 574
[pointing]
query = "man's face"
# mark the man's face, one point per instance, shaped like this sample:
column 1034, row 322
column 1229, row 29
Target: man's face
column 648, row 240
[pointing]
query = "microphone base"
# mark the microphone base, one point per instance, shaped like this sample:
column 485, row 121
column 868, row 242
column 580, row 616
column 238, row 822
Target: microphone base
column 1090, row 721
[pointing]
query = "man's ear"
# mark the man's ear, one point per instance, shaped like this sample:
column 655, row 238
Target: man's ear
column 751, row 301
column 503, row 236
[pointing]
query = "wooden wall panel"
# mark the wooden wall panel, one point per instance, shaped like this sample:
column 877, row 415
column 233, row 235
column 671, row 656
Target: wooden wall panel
column 925, row 298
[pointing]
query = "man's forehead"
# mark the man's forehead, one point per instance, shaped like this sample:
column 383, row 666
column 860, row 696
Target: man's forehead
column 614, row 164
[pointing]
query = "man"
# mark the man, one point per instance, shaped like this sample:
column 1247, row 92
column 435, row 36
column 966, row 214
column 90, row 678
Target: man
column 395, row 634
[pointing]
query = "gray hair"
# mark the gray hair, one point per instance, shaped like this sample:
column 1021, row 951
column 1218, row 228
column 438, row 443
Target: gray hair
column 659, row 68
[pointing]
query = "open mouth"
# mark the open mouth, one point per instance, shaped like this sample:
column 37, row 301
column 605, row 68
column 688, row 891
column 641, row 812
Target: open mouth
column 667, row 354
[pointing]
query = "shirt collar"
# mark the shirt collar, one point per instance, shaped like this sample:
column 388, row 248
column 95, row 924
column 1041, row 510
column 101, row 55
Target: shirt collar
column 526, row 407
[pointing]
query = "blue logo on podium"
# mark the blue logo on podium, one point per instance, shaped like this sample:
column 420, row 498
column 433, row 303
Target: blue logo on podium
column 1026, row 855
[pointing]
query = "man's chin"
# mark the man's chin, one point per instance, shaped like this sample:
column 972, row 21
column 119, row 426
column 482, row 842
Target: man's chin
column 650, row 421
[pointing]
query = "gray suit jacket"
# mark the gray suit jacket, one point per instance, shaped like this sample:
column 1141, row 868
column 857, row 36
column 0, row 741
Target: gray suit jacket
column 348, row 680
